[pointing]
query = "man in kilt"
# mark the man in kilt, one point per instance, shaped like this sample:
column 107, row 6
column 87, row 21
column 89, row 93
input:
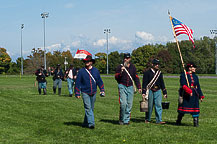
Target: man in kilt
column 190, row 96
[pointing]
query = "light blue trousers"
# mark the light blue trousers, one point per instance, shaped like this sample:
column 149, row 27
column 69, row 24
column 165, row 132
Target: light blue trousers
column 89, row 109
column 126, row 102
column 42, row 85
column 57, row 82
column 154, row 98
column 70, row 85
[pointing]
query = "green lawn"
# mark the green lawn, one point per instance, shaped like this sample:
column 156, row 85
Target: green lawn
column 27, row 117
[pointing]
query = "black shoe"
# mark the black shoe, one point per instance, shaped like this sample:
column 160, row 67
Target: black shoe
column 92, row 127
column 54, row 90
column 39, row 91
column 45, row 91
column 59, row 91
column 70, row 95
column 178, row 122
column 196, row 121
column 179, row 119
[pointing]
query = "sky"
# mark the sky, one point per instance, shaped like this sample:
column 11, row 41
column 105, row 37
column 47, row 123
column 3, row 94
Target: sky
column 80, row 24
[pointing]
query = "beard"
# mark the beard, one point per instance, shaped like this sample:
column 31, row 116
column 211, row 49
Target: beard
column 126, row 64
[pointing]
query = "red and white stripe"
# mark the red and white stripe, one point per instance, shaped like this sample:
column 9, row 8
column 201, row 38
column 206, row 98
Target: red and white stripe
column 183, row 29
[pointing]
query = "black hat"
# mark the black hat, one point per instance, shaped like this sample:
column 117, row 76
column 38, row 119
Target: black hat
column 88, row 59
column 42, row 66
column 127, row 55
column 190, row 64
column 58, row 65
column 155, row 61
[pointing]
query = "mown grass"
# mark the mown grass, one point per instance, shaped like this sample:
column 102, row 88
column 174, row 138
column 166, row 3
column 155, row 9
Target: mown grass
column 27, row 117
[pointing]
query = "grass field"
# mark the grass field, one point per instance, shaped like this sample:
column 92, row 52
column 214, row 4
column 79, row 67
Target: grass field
column 27, row 117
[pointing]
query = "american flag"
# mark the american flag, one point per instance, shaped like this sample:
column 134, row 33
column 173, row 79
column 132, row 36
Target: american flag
column 181, row 28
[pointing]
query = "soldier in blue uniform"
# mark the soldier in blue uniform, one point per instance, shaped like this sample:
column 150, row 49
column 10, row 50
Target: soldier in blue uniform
column 88, row 79
column 70, row 75
column 190, row 95
column 58, row 76
column 125, row 75
column 155, row 96
column 41, row 75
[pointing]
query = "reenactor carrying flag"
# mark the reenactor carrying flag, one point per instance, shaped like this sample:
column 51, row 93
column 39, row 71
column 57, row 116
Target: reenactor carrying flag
column 189, row 95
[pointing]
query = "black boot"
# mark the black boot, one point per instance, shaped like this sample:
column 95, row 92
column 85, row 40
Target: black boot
column 54, row 90
column 45, row 91
column 179, row 119
column 39, row 91
column 59, row 91
column 196, row 121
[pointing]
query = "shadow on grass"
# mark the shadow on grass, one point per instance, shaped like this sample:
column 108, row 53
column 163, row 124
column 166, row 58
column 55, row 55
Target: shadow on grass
column 73, row 123
column 138, row 119
column 174, row 124
column 116, row 122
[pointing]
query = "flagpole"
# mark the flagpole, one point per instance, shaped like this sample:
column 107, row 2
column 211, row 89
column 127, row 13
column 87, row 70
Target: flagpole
column 180, row 54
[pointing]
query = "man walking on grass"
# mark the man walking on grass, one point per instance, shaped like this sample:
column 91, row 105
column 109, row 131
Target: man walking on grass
column 126, row 75
column 154, row 96
column 42, row 83
column 88, row 79
column 58, row 76
column 70, row 75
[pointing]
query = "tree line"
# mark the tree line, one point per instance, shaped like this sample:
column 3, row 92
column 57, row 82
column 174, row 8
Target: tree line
column 203, row 55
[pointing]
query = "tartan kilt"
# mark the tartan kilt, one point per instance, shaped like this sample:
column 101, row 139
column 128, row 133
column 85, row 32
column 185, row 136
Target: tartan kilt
column 190, row 104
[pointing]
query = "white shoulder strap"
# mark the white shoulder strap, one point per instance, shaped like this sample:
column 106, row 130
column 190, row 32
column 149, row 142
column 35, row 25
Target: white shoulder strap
column 152, row 82
column 134, row 85
column 90, row 75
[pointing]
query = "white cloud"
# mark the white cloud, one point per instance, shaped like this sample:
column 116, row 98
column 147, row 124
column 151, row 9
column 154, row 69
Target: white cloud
column 54, row 47
column 144, row 36
column 163, row 39
column 100, row 42
column 76, row 43
column 113, row 40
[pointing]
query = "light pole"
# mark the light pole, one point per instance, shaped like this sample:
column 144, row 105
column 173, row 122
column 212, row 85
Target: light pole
column 44, row 15
column 65, row 63
column 21, row 45
column 215, row 32
column 107, row 31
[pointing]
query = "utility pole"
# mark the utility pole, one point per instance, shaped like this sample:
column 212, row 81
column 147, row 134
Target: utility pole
column 44, row 15
column 22, row 26
column 107, row 32
column 214, row 32
column 65, row 63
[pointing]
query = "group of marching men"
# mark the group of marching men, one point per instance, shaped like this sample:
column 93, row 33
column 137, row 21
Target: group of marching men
column 88, row 78
column 58, row 76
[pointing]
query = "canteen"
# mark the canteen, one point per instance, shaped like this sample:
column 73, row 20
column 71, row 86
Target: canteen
column 144, row 105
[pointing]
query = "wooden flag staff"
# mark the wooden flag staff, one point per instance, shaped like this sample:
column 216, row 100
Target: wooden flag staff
column 180, row 54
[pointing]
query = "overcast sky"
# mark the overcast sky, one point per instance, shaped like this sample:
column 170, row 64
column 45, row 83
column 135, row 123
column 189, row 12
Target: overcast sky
column 74, row 24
